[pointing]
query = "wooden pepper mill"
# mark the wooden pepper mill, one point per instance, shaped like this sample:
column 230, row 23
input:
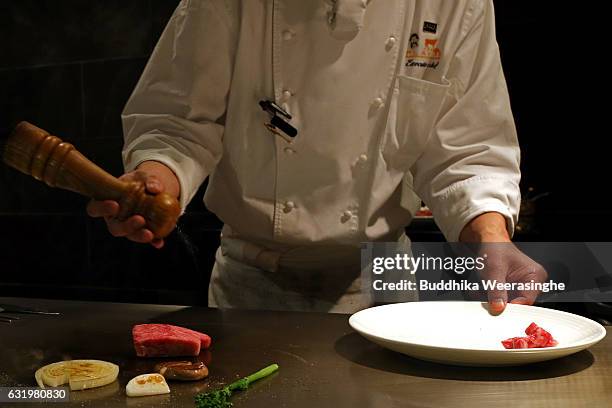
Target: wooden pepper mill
column 35, row 152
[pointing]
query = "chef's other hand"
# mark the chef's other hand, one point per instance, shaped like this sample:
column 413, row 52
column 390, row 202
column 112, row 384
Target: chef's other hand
column 505, row 263
column 157, row 178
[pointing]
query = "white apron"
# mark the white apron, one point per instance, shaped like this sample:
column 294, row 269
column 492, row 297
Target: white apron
column 318, row 278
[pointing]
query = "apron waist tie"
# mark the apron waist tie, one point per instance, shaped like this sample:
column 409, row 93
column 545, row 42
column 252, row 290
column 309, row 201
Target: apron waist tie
column 250, row 254
column 291, row 259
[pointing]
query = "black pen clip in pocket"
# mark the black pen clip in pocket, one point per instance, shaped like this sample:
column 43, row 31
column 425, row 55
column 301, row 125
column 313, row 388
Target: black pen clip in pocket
column 279, row 122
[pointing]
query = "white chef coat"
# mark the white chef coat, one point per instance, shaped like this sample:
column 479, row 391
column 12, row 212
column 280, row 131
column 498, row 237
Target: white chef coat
column 394, row 101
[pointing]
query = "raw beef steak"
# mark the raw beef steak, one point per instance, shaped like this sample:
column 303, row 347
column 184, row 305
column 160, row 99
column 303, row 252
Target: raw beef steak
column 165, row 340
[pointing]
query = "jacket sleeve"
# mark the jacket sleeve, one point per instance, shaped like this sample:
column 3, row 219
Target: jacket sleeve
column 175, row 114
column 471, row 162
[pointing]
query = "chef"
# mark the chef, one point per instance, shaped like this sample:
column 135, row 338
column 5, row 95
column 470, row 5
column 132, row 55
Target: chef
column 321, row 125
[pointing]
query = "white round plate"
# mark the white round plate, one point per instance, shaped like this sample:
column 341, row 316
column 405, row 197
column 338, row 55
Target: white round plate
column 464, row 333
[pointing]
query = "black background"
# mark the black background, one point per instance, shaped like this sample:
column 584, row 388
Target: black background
column 70, row 65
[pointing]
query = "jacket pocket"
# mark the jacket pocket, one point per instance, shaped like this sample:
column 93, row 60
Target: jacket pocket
column 415, row 107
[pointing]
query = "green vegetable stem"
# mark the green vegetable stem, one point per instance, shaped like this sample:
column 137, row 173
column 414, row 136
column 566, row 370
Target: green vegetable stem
column 221, row 398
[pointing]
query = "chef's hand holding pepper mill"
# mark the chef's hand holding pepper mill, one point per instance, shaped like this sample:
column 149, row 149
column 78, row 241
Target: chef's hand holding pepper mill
column 157, row 179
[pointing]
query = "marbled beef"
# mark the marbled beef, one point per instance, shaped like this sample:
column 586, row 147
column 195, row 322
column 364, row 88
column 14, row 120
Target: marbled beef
column 165, row 340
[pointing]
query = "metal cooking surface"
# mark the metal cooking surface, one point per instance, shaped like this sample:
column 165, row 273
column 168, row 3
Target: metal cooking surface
column 323, row 363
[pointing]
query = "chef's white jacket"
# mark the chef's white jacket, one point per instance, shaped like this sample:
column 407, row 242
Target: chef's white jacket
column 394, row 101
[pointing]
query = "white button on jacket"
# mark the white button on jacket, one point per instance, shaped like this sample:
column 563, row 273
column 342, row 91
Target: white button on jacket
column 444, row 131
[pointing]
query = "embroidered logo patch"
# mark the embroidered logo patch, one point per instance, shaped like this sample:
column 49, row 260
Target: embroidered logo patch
column 426, row 56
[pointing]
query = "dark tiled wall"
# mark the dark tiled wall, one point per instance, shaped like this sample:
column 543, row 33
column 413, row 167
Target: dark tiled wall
column 556, row 80
column 69, row 66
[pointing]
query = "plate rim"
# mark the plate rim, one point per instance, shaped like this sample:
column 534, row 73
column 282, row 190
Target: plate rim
column 599, row 337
